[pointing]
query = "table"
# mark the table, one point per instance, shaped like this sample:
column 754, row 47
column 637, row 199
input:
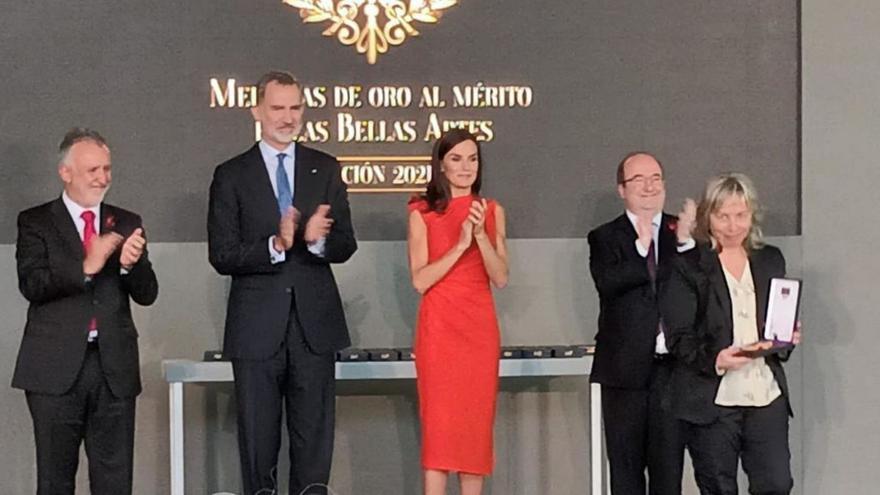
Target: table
column 178, row 372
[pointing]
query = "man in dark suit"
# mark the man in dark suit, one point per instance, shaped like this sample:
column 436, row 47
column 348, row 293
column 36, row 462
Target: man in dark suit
column 79, row 261
column 284, row 317
column 630, row 257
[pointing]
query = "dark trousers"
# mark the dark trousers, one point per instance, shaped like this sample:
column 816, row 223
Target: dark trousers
column 305, row 383
column 757, row 435
column 641, row 432
column 87, row 412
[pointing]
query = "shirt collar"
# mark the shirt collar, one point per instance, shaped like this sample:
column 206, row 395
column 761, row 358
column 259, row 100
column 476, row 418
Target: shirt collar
column 76, row 210
column 270, row 154
column 634, row 220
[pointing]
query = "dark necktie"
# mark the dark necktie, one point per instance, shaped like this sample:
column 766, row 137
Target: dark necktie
column 652, row 272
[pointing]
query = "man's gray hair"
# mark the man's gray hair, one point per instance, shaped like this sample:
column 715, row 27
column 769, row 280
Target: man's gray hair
column 75, row 135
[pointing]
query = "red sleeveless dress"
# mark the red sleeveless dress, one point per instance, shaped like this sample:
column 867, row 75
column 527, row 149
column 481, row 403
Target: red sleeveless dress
column 457, row 347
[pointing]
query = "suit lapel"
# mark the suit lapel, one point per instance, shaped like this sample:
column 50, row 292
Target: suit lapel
column 761, row 279
column 626, row 233
column 306, row 193
column 258, row 176
column 66, row 228
column 666, row 239
column 109, row 216
column 711, row 266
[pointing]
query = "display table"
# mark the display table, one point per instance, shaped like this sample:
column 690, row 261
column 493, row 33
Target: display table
column 178, row 372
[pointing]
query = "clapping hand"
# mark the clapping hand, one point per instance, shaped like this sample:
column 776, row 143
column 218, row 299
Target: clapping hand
column 477, row 216
column 133, row 249
column 319, row 224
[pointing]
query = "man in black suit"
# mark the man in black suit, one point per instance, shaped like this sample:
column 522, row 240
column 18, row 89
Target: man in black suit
column 284, row 317
column 630, row 257
column 79, row 261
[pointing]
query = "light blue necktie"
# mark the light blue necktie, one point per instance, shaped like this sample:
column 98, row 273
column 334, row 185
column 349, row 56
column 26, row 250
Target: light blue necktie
column 285, row 197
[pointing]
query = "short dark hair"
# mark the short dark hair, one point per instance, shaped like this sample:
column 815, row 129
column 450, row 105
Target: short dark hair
column 281, row 77
column 77, row 134
column 621, row 177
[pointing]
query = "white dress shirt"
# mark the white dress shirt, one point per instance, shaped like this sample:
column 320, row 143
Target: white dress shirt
column 270, row 160
column 660, row 344
column 76, row 212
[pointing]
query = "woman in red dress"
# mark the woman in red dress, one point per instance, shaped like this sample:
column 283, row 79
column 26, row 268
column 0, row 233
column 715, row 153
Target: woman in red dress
column 456, row 248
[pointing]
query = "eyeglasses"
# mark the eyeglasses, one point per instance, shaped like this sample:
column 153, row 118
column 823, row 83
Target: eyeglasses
column 642, row 181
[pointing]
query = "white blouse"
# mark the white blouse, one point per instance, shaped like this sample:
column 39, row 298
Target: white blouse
column 753, row 384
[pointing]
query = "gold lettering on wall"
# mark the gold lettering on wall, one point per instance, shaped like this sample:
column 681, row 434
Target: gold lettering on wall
column 346, row 114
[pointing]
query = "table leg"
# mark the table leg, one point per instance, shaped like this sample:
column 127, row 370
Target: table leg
column 596, row 464
column 175, row 411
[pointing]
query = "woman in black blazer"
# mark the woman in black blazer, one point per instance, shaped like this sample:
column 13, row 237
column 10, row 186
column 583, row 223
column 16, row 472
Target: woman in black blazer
column 735, row 407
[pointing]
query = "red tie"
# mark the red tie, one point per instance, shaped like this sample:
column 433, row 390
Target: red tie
column 89, row 234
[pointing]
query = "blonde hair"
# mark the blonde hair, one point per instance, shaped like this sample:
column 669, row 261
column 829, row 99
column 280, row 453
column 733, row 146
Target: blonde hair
column 718, row 189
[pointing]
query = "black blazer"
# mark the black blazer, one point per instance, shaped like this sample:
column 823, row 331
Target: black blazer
column 629, row 314
column 242, row 215
column 49, row 257
column 697, row 310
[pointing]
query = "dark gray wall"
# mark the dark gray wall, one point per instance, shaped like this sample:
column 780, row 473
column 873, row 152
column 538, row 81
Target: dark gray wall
column 841, row 118
column 707, row 85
